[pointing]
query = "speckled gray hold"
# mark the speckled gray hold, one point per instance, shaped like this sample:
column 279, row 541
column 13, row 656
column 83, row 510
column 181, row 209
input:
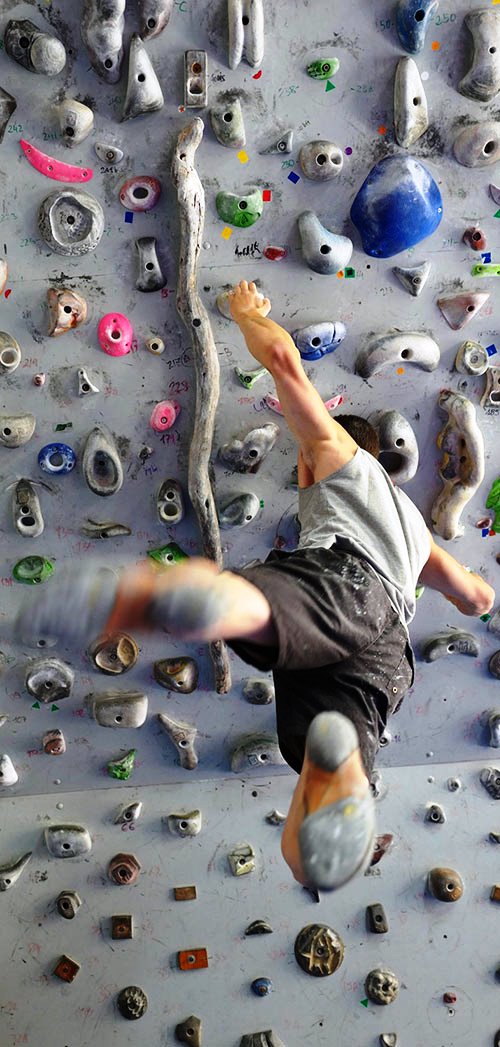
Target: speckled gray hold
column 102, row 24
column 76, row 121
column 101, row 464
column 16, row 429
column 381, row 985
column 71, row 221
column 228, row 125
column 149, row 275
column 34, row 49
column 155, row 16
column 246, row 455
column 483, row 78
column 413, row 277
column 455, row 641
column 144, row 94
column 258, row 691
column 282, row 145
column 240, row 510
column 321, row 160
column 323, row 251
column 398, row 445
column 256, row 750
column 478, row 145
column 49, row 679
column 410, row 103
column 26, row 510
column 8, row 105
column 490, row 778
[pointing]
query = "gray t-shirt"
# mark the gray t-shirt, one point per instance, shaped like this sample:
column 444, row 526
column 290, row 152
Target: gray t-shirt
column 358, row 509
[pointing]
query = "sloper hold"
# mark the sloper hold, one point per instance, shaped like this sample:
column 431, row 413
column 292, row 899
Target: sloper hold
column 462, row 464
column 118, row 708
column 319, row 950
column 149, row 272
column 8, row 773
column 321, row 160
column 472, row 358
column 16, row 429
column 246, row 32
column 413, row 347
column 446, row 885
column 411, row 117
column 398, row 445
column 26, row 510
column 398, row 205
column 256, row 750
column 189, row 1031
column 144, row 94
column 282, row 145
column 412, row 21
column 109, row 153
column 315, row 340
column 381, row 986
column 67, row 841
column 49, row 679
column 76, row 121
column 245, row 456
column 482, row 81
column 10, row 873
column 177, row 674
column 102, row 24
column 413, row 277
column 258, row 691
column 32, row 48
column 478, row 145
column 227, row 124
column 490, row 778
column 184, row 824
column 155, row 16
column 101, row 464
column 130, row 813
column 323, row 251
column 71, row 221
column 8, row 105
column 241, row 211
column 183, row 737
column 491, row 395
column 459, row 309
column 240, row 510
column 132, row 1002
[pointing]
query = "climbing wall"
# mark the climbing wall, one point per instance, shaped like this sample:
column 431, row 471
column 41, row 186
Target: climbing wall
column 442, row 720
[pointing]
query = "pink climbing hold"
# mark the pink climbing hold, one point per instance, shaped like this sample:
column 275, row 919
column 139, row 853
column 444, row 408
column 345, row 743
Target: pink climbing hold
column 115, row 334
column 164, row 415
column 56, row 169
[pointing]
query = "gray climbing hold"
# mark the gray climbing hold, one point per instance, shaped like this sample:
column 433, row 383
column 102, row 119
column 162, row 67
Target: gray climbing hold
column 455, row 641
column 282, row 145
column 177, row 674
column 388, row 1039
column 240, row 510
column 494, row 665
column 8, row 773
column 144, row 94
column 411, row 118
column 323, row 251
column 109, row 153
column 413, row 277
column 258, row 691
column 71, row 221
column 149, row 273
column 472, row 358
column 459, row 309
column 185, row 824
column 170, row 503
column 258, row 927
column 435, row 814
column 446, row 885
column 10, row 873
column 67, row 841
column 246, row 32
column 256, row 750
column 49, row 679
column 8, row 105
column 101, row 463
column 32, row 48
column 483, row 78
column 478, row 145
column 195, row 79
column 155, row 16
column 246, row 455
column 376, row 919
column 401, row 347
column 189, row 1031
column 86, row 386
column 117, row 708
column 26, row 510
column 10, row 358
column 492, row 720
column 321, row 160
column 490, row 778
column 242, row 859
column 381, row 985
column 398, row 445
column 76, row 121
column 16, row 429
column 183, row 737
column 268, row 1038
column 102, row 24
column 228, row 125
column 275, row 817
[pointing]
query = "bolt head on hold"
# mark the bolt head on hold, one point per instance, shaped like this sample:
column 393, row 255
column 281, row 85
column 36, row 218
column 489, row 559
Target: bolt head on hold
column 54, row 743
column 66, row 969
column 319, row 950
column 122, row 927
column 132, row 1002
column 381, row 986
column 189, row 1031
column 445, row 885
column 124, row 869
column 68, row 904
column 262, row 986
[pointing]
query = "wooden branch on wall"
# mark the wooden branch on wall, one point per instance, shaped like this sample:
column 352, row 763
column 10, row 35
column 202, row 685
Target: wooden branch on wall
column 191, row 198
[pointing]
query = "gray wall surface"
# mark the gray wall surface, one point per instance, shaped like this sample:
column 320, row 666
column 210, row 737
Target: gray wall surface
column 440, row 721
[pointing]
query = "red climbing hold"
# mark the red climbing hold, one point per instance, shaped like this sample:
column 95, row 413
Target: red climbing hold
column 274, row 254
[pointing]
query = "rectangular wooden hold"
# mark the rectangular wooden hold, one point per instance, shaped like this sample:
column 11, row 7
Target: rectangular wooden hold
column 184, row 894
column 192, row 959
column 495, row 892
column 66, row 969
column 122, row 927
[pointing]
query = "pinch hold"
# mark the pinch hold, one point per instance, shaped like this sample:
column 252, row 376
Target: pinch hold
column 415, row 347
column 323, row 251
column 413, row 277
column 483, row 78
column 149, row 275
column 102, row 25
column 144, row 94
column 478, row 145
column 412, row 22
column 411, row 118
column 462, row 465
column 314, row 341
column 33, row 49
column 398, row 445
column 245, row 456
column 76, row 121
column 164, row 415
column 183, row 737
column 246, row 32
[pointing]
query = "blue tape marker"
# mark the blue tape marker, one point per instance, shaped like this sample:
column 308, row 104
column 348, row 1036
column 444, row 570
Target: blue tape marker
column 129, row 217
column 491, row 350
column 486, row 257
column 292, row 177
column 485, row 532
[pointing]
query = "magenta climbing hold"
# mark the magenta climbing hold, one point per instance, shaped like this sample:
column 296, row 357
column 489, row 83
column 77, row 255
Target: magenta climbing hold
column 164, row 415
column 56, row 169
column 115, row 334
column 140, row 193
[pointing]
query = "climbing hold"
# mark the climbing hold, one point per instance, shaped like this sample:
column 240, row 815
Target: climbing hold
column 104, row 529
column 68, row 904
column 32, row 48
column 398, row 205
column 415, row 347
column 246, row 456
column 102, row 25
column 184, row 824
column 223, row 303
column 10, row 353
column 66, row 969
column 57, row 459
column 323, row 68
column 67, row 309
column 8, row 105
column 316, row 340
column 475, row 238
column 258, row 691
column 472, row 358
column 478, row 145
column 242, row 859
column 39, row 379
column 491, row 719
column 321, row 160
column 491, row 395
column 380, row 847
column 388, row 1039
column 184, row 894
column 381, row 986
column 170, row 503
column 164, row 415
column 149, row 275
column 49, row 679
column 275, row 817
column 227, row 123
column 412, row 21
column 398, row 445
column 189, row 1031
column 319, row 950
column 462, row 464
column 240, row 510
column 101, row 464
column 275, row 254
column 413, row 277
column 376, row 919
column 258, row 927
column 155, row 345
column 411, row 118
column 483, row 78
column 52, row 168
column 122, row 927
column 28, row 519
column 117, row 708
column 32, row 570
column 249, row 378
column 130, row 813
column 4, row 269
column 445, row 885
column 71, row 221
column 177, row 674
column 262, row 986
column 122, row 767
column 454, row 784
column 85, row 385
column 183, row 737
column 195, row 79
column 132, row 1002
column 268, row 1038
column 140, row 193
column 16, row 429
column 454, row 641
column 490, row 778
column 144, row 94
column 282, row 145
column 155, row 15
column 67, row 841
column 486, row 269
column 124, row 869
column 76, row 121
column 109, row 153
column 241, row 211
column 494, row 665
column 54, row 743
column 192, row 959
column 8, row 773
column 115, row 334
column 246, row 32
column 323, row 251
column 168, row 555
column 256, row 750
column 435, row 814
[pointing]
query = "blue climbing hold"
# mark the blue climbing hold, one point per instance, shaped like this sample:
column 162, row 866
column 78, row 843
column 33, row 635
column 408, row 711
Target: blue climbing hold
column 412, row 21
column 57, row 459
column 262, row 986
column 316, row 340
column 398, row 205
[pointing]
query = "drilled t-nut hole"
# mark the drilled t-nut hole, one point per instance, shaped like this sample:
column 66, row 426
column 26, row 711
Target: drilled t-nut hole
column 419, row 15
column 489, row 147
column 321, row 159
column 141, row 78
column 325, row 249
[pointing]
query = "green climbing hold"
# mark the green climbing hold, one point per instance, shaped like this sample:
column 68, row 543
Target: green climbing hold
column 123, row 768
column 32, row 570
column 486, row 269
column 419, row 591
column 493, row 502
column 323, row 68
column 249, row 378
column 241, row 211
column 168, row 555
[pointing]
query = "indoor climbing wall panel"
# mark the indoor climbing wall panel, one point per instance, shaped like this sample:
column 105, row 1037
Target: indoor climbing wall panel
column 348, row 107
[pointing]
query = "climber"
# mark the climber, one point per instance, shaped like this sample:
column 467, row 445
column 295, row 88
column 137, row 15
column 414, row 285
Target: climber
column 329, row 619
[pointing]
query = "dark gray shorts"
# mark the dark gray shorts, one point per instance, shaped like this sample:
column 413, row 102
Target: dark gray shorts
column 341, row 646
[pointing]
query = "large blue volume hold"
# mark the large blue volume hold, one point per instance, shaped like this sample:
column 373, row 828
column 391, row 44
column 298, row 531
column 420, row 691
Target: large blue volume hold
column 398, row 205
column 412, row 21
